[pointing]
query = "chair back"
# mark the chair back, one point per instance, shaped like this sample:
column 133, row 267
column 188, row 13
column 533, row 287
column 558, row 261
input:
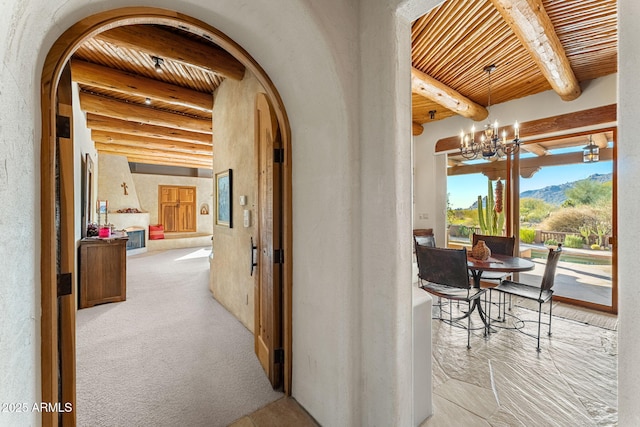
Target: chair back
column 443, row 266
column 425, row 240
column 498, row 244
column 550, row 269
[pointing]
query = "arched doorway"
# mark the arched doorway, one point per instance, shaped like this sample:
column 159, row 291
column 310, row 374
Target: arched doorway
column 58, row 245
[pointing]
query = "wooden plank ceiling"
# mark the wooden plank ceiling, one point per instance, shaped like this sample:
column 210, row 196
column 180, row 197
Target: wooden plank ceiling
column 536, row 45
column 148, row 116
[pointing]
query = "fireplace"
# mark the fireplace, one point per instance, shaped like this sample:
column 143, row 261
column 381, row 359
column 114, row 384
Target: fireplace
column 136, row 238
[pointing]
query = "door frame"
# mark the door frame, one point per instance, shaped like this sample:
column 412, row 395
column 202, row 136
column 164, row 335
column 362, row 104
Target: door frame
column 56, row 59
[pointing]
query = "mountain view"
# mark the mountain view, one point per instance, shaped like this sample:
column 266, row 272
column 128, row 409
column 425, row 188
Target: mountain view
column 555, row 194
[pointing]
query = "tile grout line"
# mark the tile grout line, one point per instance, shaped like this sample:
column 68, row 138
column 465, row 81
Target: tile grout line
column 493, row 384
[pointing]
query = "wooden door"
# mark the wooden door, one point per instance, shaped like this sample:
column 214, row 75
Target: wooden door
column 186, row 209
column 268, row 285
column 65, row 252
column 177, row 211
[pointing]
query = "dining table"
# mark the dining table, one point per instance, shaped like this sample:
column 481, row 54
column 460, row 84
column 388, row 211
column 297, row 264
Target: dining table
column 495, row 263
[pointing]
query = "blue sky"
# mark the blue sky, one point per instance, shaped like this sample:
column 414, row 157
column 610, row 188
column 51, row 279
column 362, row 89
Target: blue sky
column 464, row 189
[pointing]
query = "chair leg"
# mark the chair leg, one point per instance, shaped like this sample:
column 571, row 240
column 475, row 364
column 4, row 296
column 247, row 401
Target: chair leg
column 539, row 323
column 488, row 311
column 550, row 309
column 468, row 332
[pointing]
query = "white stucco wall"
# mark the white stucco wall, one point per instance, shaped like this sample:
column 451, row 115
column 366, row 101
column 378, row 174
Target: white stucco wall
column 628, row 208
column 337, row 66
column 114, row 171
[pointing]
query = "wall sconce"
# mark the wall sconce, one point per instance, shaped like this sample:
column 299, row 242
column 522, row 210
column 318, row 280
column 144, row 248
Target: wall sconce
column 590, row 153
column 159, row 62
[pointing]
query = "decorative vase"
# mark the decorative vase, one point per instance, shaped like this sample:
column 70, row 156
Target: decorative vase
column 481, row 251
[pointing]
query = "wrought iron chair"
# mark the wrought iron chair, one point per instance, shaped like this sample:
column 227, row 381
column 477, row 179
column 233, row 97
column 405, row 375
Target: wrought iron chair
column 541, row 294
column 498, row 245
column 443, row 273
column 424, row 237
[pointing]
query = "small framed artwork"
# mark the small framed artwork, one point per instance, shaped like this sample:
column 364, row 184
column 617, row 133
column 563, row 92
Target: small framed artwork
column 224, row 198
column 102, row 206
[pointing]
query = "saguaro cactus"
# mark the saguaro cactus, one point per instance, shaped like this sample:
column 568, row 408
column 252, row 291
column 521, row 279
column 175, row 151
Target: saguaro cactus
column 491, row 217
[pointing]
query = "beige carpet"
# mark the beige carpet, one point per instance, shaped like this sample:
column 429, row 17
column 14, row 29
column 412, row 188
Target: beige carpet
column 168, row 356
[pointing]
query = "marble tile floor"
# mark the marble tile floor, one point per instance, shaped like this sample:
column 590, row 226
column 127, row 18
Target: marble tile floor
column 503, row 381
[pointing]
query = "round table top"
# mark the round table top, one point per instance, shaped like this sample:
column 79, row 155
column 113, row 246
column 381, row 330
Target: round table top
column 501, row 263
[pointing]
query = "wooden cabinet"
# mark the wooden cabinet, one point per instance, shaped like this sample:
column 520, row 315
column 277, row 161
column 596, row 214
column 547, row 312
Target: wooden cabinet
column 102, row 271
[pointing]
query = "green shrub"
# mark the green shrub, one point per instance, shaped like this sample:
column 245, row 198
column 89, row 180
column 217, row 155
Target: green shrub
column 527, row 235
column 570, row 220
column 551, row 242
column 573, row 241
column 464, row 231
column 595, row 247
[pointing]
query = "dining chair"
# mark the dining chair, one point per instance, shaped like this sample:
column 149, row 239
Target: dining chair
column 541, row 294
column 424, row 237
column 499, row 245
column 502, row 245
column 443, row 273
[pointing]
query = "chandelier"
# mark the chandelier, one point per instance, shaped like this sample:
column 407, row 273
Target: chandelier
column 492, row 144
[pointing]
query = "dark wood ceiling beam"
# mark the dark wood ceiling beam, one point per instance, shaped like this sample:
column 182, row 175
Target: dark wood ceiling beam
column 563, row 122
column 128, row 111
column 430, row 88
column 98, row 76
column 110, row 124
column 168, row 45
column 499, row 167
column 126, row 150
column 151, row 143
column 531, row 24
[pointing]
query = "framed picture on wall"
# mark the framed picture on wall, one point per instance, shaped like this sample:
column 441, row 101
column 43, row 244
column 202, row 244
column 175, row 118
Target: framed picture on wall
column 224, row 198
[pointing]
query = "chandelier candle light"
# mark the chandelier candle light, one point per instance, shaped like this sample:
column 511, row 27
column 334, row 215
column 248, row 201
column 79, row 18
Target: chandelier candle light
column 492, row 144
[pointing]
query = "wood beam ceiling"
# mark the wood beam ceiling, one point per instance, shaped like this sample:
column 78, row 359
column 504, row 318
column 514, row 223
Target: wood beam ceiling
column 150, row 143
column 166, row 44
column 430, row 88
column 168, row 157
column 93, row 75
column 104, row 106
column 110, row 124
column 531, row 24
